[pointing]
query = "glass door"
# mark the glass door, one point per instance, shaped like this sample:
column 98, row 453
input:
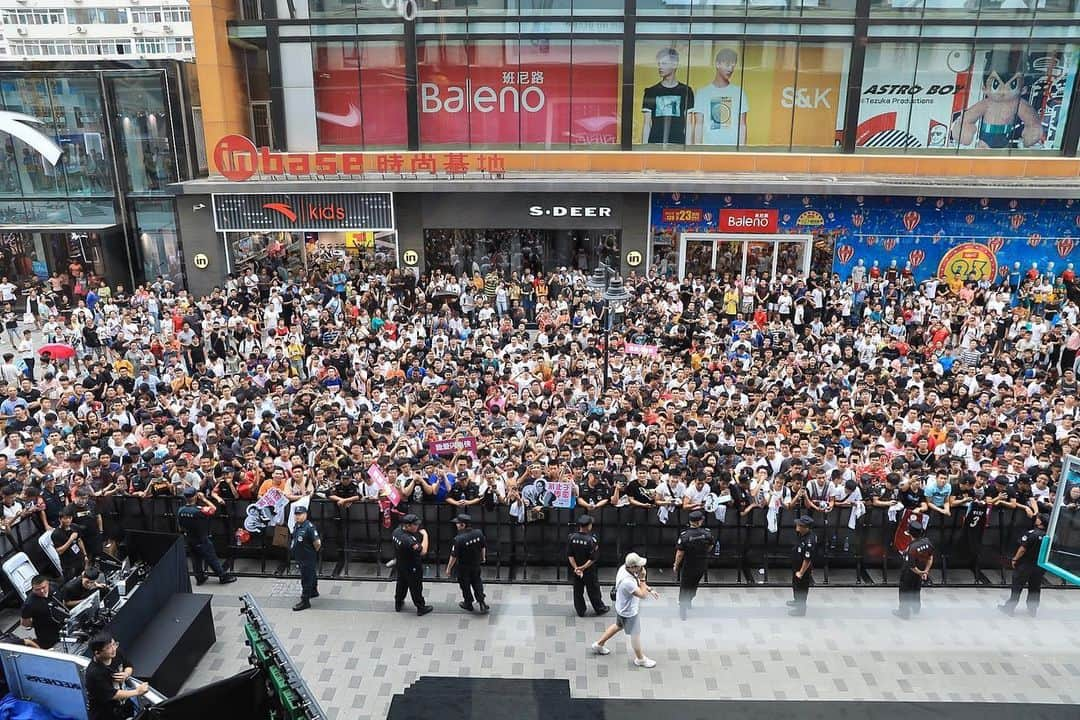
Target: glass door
column 699, row 257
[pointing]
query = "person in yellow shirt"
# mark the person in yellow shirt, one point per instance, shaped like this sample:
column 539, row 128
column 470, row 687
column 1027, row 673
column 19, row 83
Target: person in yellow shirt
column 296, row 354
column 731, row 302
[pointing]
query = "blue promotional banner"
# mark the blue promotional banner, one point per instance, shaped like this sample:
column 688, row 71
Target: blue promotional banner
column 953, row 238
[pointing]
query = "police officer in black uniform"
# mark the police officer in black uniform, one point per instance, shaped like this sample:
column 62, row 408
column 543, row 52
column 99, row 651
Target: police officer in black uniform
column 195, row 525
column 692, row 557
column 410, row 546
column 582, row 551
column 467, row 553
column 802, row 565
column 1026, row 569
column 304, row 548
column 918, row 559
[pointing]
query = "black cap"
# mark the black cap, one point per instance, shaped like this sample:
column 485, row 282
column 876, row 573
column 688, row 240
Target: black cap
column 298, row 509
column 410, row 519
column 463, row 518
column 584, row 520
column 805, row 521
column 697, row 516
column 189, row 492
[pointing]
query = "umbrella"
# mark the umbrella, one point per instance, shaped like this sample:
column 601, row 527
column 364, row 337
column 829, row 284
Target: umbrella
column 60, row 351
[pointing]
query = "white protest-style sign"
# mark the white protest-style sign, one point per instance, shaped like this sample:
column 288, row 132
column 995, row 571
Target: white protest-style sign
column 19, row 126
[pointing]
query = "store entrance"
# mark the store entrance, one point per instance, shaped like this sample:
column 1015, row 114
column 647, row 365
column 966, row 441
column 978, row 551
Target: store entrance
column 704, row 254
column 27, row 256
column 467, row 252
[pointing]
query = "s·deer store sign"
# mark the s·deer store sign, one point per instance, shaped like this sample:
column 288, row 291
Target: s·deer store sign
column 303, row 212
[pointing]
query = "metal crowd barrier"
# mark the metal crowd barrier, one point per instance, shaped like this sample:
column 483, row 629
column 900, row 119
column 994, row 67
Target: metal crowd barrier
column 356, row 544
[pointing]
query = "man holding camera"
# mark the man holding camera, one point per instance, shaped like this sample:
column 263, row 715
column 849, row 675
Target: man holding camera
column 630, row 588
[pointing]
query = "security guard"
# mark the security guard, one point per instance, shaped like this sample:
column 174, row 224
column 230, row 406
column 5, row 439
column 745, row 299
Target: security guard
column 304, row 549
column 1026, row 569
column 410, row 547
column 802, row 565
column 467, row 553
column 692, row 557
column 918, row 559
column 194, row 522
column 582, row 551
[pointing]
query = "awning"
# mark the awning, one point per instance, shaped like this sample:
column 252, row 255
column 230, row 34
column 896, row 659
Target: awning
column 73, row 227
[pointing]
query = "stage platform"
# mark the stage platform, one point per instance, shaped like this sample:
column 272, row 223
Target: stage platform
column 356, row 653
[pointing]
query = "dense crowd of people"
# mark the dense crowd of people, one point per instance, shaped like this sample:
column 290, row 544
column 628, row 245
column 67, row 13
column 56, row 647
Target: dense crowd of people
column 789, row 394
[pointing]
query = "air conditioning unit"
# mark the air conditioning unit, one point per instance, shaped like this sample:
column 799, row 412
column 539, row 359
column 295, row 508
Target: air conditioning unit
column 167, row 29
column 136, row 30
column 21, row 31
column 80, row 29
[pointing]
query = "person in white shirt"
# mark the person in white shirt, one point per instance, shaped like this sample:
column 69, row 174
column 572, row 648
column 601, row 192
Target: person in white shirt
column 718, row 116
column 630, row 588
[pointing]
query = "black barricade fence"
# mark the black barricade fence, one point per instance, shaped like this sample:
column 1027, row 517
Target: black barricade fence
column 356, row 543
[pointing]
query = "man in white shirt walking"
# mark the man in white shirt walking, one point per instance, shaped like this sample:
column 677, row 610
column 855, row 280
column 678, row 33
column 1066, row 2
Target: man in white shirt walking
column 630, row 588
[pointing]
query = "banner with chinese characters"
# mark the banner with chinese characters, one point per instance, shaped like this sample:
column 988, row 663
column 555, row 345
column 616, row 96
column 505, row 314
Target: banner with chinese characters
column 564, row 494
column 452, row 446
column 529, row 92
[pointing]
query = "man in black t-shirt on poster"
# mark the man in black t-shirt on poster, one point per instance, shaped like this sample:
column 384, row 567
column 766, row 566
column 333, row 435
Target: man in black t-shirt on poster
column 105, row 676
column 664, row 105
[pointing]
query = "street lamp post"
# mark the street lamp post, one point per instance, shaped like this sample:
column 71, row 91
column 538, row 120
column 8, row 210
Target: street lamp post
column 607, row 281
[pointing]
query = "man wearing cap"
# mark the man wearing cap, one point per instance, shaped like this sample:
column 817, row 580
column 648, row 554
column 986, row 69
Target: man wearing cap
column 630, row 588
column 691, row 557
column 582, row 551
column 802, row 565
column 918, row 559
column 304, row 548
column 1026, row 570
column 467, row 553
column 410, row 546
column 194, row 521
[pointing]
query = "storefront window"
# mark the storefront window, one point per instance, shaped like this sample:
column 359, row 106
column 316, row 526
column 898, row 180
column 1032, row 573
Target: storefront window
column 728, row 94
column 78, row 121
column 37, row 177
column 957, row 98
column 143, row 132
column 532, row 93
column 467, row 252
column 360, row 94
column 159, row 241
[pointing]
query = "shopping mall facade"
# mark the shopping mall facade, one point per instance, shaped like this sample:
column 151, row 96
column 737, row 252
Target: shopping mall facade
column 681, row 136
column 89, row 154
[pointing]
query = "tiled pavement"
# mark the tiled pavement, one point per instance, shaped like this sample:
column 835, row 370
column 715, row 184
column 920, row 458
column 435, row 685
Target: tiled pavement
column 355, row 652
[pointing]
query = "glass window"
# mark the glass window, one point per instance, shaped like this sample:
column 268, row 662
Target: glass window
column 143, row 133
column 159, row 241
column 992, row 98
column 360, row 94
column 721, row 105
column 29, row 95
column 79, row 125
column 818, row 96
column 662, row 97
column 531, row 93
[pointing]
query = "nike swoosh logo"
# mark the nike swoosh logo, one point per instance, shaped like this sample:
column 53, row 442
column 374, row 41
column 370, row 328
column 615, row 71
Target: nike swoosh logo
column 349, row 119
column 18, row 125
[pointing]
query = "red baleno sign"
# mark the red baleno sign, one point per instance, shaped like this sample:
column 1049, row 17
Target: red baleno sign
column 748, row 221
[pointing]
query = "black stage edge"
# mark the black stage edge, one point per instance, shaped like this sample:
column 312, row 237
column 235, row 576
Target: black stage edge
column 454, row 698
column 163, row 629
column 168, row 649
column 239, row 697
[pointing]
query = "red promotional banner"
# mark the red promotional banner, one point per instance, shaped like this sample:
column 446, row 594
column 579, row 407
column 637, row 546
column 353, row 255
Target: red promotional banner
column 506, row 92
column 748, row 221
column 360, row 94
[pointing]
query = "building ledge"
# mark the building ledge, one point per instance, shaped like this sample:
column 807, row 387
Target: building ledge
column 749, row 182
